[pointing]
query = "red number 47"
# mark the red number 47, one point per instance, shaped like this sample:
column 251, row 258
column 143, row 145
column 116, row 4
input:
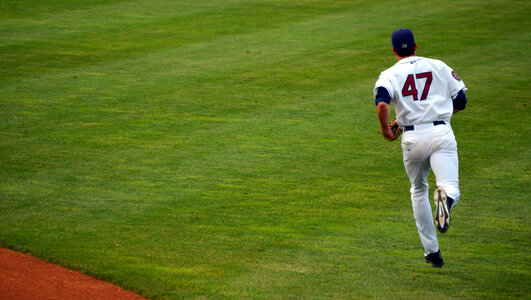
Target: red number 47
column 410, row 88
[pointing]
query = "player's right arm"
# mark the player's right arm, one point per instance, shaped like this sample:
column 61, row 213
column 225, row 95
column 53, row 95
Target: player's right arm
column 459, row 101
column 456, row 88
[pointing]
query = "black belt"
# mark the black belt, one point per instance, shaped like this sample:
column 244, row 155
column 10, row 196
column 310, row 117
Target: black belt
column 412, row 127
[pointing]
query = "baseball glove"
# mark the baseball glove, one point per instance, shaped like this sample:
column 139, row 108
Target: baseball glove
column 397, row 131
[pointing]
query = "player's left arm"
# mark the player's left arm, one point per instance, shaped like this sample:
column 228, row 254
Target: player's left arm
column 383, row 111
column 382, row 100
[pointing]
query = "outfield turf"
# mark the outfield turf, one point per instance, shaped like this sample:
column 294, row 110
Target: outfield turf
column 230, row 149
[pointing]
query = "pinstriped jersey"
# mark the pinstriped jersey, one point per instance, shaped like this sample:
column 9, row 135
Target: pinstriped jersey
column 421, row 90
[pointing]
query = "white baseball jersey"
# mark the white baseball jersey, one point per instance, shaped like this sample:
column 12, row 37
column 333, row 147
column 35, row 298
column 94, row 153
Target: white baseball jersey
column 421, row 90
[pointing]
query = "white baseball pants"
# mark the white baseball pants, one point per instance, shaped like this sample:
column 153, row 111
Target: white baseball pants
column 428, row 147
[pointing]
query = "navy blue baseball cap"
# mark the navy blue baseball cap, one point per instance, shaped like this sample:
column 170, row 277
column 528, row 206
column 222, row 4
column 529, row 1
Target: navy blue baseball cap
column 403, row 42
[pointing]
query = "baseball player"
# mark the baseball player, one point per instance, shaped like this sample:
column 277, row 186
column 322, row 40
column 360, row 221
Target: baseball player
column 425, row 94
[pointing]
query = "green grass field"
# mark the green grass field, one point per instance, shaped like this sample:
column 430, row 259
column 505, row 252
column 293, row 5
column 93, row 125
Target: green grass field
column 224, row 149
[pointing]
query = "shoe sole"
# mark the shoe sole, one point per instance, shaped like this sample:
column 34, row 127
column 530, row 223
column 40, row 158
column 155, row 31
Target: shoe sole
column 442, row 214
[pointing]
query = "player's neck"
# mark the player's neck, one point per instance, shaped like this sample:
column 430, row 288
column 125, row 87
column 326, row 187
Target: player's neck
column 399, row 58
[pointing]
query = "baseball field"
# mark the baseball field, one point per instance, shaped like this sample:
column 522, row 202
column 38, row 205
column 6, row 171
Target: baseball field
column 229, row 149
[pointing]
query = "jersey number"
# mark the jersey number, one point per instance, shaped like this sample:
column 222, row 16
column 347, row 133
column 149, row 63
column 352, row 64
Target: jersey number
column 410, row 88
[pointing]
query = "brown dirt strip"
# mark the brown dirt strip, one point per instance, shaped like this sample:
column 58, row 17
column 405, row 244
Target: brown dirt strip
column 25, row 277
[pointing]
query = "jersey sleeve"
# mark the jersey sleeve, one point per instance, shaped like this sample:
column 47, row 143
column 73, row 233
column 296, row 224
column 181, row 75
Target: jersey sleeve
column 384, row 82
column 455, row 83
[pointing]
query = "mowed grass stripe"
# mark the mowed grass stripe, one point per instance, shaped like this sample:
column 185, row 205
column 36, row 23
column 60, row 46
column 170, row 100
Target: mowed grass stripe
column 75, row 40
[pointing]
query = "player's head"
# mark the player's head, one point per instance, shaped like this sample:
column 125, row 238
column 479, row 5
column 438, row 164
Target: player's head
column 403, row 42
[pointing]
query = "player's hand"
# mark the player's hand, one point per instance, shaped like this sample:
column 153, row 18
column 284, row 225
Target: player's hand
column 388, row 134
column 391, row 131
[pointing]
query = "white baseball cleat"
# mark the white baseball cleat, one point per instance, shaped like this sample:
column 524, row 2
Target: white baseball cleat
column 442, row 213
